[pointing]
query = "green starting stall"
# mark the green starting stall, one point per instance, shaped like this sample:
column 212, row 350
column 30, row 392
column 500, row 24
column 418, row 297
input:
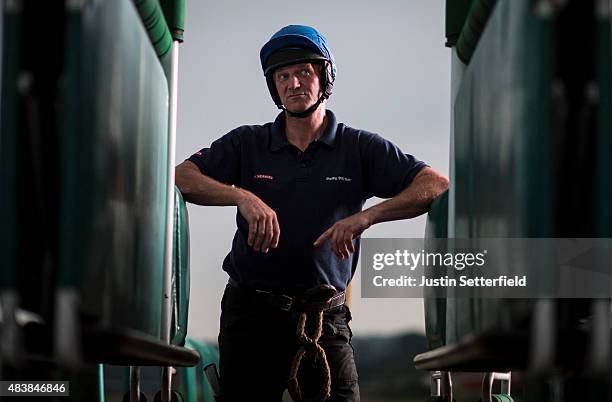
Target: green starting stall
column 94, row 241
column 530, row 158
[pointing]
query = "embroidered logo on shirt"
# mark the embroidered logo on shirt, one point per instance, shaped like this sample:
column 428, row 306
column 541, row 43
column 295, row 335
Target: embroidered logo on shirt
column 338, row 178
column 263, row 177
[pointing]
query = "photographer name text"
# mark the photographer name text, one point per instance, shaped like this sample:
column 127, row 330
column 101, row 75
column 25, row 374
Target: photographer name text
column 445, row 281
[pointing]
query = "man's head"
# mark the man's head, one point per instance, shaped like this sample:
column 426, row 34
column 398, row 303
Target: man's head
column 299, row 51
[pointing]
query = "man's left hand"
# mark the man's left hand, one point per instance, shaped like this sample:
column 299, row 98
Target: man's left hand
column 342, row 233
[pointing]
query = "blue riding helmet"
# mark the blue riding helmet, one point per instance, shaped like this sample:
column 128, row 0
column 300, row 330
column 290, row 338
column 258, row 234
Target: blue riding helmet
column 295, row 44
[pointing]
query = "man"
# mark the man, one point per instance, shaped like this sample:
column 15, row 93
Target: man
column 299, row 184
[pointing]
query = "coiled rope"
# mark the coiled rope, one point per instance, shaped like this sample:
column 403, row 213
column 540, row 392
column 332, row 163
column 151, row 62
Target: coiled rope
column 311, row 349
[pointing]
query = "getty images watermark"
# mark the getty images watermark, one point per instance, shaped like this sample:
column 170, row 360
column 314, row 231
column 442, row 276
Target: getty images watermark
column 491, row 268
column 433, row 260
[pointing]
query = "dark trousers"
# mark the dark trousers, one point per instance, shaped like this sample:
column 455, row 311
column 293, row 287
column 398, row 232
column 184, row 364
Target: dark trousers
column 257, row 344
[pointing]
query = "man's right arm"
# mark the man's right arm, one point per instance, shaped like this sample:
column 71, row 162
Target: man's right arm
column 197, row 188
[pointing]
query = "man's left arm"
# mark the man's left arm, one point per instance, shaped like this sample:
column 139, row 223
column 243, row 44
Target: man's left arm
column 413, row 201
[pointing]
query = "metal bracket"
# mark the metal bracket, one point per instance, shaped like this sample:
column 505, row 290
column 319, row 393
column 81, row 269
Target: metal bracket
column 489, row 379
column 442, row 385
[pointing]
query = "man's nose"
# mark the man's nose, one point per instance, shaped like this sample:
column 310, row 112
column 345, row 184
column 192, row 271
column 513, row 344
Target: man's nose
column 294, row 82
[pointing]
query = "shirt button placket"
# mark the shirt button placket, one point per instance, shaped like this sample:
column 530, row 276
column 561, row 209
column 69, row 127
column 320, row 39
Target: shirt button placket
column 303, row 165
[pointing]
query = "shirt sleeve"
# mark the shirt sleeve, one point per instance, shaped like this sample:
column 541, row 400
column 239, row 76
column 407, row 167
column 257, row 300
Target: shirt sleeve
column 222, row 160
column 386, row 169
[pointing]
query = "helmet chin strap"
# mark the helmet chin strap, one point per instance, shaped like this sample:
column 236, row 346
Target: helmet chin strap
column 306, row 112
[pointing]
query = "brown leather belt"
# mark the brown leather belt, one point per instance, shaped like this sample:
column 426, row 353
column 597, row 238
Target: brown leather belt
column 292, row 303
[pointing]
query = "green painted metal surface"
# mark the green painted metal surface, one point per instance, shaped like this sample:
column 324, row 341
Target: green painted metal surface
column 9, row 230
column 504, row 177
column 503, row 128
column 505, row 184
column 456, row 13
column 154, row 22
column 114, row 170
column 437, row 218
column 208, row 354
column 435, row 298
column 520, row 113
column 472, row 28
column 180, row 277
column 174, row 11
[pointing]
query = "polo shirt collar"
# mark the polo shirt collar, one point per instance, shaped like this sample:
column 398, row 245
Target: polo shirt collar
column 278, row 138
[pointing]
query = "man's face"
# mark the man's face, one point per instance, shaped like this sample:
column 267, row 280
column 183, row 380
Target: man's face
column 298, row 85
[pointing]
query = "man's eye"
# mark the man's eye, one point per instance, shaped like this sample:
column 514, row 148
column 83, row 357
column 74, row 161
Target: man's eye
column 282, row 77
column 305, row 73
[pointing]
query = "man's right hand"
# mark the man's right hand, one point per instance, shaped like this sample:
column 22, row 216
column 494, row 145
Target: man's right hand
column 196, row 187
column 264, row 231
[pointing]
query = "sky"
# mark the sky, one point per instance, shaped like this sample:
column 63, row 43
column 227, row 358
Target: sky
column 393, row 79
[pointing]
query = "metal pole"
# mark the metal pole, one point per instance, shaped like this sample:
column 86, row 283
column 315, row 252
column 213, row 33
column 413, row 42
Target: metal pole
column 134, row 384
column 167, row 290
column 101, row 383
column 167, row 302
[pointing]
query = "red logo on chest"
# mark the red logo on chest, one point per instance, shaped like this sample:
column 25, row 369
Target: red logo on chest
column 263, row 177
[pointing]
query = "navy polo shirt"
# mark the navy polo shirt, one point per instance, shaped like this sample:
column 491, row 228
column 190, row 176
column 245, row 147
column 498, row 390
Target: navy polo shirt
column 309, row 191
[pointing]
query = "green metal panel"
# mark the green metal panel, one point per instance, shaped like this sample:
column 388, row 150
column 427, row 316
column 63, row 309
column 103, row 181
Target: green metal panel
column 516, row 116
column 8, row 147
column 503, row 114
column 155, row 24
column 208, row 354
column 456, row 13
column 504, row 185
column 191, row 384
column 435, row 298
column 174, row 11
column 473, row 28
column 114, row 169
column 437, row 218
column 180, row 270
